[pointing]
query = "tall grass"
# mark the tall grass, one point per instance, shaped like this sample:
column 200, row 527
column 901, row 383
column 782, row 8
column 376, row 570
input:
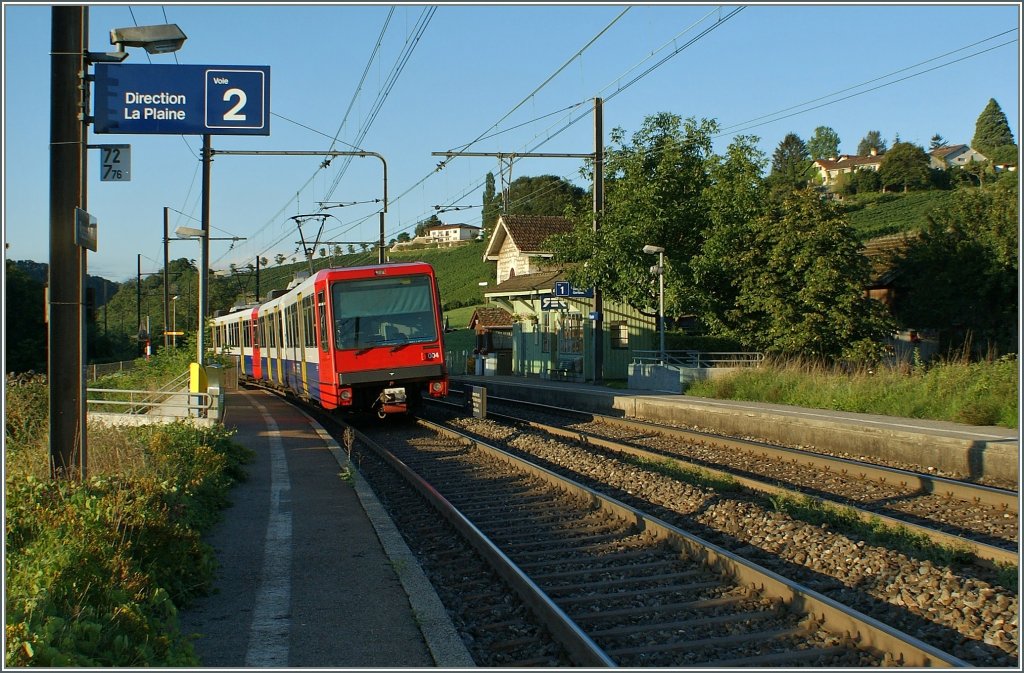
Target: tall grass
column 976, row 393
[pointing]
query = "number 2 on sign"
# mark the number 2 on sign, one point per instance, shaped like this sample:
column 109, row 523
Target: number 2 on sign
column 233, row 114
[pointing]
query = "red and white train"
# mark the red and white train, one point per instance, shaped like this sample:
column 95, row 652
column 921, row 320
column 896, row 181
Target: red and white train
column 366, row 338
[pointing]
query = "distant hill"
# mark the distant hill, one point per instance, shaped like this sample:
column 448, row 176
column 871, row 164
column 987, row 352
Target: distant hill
column 39, row 272
column 460, row 270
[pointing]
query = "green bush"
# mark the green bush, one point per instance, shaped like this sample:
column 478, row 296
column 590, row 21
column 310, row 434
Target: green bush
column 97, row 569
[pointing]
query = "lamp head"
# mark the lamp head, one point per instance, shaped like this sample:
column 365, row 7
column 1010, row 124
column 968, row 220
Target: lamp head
column 160, row 39
column 189, row 232
column 653, row 249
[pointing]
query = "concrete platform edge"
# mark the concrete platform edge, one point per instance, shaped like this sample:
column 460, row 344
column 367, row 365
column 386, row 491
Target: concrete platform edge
column 973, row 457
column 439, row 633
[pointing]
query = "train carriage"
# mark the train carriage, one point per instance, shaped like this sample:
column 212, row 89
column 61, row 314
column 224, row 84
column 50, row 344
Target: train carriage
column 358, row 338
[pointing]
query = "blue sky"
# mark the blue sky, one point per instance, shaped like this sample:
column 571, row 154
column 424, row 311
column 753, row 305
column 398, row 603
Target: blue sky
column 520, row 77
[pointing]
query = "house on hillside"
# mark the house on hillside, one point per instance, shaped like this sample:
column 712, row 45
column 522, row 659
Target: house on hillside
column 948, row 156
column 553, row 326
column 831, row 169
column 451, row 233
column 442, row 236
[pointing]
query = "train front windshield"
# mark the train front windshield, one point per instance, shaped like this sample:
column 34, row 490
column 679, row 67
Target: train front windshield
column 388, row 311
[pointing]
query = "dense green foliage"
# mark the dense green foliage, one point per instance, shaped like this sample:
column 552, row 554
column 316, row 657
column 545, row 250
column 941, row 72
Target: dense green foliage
column 801, row 279
column 871, row 141
column 792, row 165
column 961, row 273
column 96, row 570
column 992, row 134
column 25, row 344
column 824, row 144
column 979, row 393
column 905, row 167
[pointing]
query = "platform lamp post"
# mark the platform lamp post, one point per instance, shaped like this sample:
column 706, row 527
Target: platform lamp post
column 204, row 238
column 660, row 270
column 174, row 322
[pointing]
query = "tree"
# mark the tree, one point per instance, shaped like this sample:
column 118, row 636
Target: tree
column 960, row 276
column 279, row 258
column 423, row 225
column 791, row 164
column 824, row 144
column 801, row 285
column 735, row 196
column 906, row 165
column 872, row 141
column 544, row 195
column 654, row 185
column 25, row 347
column 491, row 206
column 937, row 142
column 991, row 131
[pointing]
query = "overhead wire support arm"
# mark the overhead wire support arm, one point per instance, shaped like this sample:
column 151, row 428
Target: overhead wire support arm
column 330, row 153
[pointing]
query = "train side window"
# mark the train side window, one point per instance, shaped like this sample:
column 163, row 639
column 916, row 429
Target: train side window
column 321, row 306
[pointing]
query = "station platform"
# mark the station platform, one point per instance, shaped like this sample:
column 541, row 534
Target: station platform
column 311, row 571
column 971, row 452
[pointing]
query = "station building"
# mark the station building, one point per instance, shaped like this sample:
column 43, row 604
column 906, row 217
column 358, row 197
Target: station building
column 551, row 332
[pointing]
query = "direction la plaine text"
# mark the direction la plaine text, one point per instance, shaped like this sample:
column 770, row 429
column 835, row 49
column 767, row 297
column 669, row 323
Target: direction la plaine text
column 150, row 99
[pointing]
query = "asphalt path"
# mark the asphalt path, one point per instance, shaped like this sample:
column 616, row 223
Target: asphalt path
column 303, row 578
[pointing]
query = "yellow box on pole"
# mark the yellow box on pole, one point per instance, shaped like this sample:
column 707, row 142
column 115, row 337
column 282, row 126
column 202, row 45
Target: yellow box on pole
column 196, row 378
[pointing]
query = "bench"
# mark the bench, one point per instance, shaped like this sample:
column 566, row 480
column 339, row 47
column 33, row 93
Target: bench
column 564, row 370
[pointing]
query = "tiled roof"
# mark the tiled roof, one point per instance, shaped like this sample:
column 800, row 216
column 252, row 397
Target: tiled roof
column 490, row 316
column 535, row 282
column 940, row 152
column 881, row 251
column 848, row 161
column 530, row 231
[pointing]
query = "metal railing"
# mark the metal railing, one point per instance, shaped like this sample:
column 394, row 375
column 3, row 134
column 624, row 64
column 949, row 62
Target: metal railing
column 93, row 372
column 180, row 403
column 691, row 359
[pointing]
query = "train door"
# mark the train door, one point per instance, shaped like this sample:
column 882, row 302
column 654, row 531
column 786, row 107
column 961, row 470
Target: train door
column 257, row 340
column 327, row 376
column 300, row 342
column 276, row 325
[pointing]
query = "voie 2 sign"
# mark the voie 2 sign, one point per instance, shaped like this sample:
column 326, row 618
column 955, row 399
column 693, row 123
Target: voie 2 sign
column 182, row 99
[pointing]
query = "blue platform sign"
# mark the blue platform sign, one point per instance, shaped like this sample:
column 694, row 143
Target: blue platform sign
column 182, row 99
column 564, row 288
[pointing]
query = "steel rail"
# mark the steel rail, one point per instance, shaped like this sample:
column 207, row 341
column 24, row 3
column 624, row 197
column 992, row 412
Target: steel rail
column 579, row 645
column 983, row 552
column 839, row 619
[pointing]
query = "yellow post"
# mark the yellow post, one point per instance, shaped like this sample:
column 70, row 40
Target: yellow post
column 196, row 378
column 196, row 384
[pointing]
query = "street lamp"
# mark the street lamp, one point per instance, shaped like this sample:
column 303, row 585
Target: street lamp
column 660, row 270
column 174, row 321
column 203, row 235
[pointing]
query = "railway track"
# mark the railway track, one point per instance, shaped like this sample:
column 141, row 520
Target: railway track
column 967, row 518
column 617, row 586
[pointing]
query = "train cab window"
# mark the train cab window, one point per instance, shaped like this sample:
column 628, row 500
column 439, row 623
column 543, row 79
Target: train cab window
column 383, row 311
